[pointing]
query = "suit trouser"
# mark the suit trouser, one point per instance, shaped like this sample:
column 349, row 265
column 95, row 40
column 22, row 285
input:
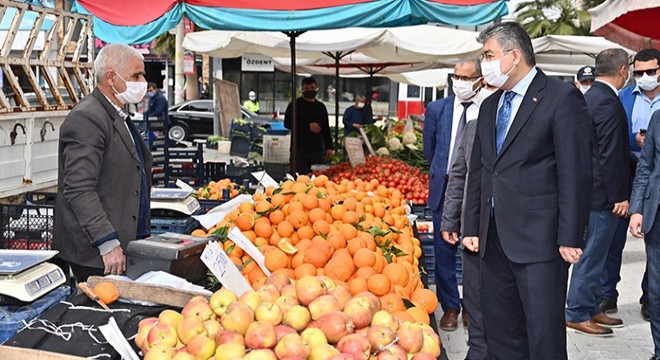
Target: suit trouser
column 612, row 272
column 446, row 283
column 472, row 306
column 652, row 241
column 523, row 305
column 582, row 301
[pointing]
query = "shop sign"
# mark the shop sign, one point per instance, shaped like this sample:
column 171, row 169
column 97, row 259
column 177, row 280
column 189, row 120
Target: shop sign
column 188, row 62
column 257, row 62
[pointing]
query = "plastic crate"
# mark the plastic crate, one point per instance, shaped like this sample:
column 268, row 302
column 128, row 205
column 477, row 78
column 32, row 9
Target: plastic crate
column 240, row 146
column 206, row 204
column 238, row 174
column 277, row 171
column 28, row 226
column 183, row 225
column 423, row 212
column 214, row 171
column 12, row 317
column 428, row 253
column 277, row 149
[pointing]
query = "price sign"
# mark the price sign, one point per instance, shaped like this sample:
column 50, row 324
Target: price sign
column 244, row 243
column 224, row 269
column 355, row 151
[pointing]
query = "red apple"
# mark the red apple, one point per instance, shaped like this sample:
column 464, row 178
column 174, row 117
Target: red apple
column 335, row 326
column 309, row 288
column 322, row 305
column 292, row 345
column 260, row 335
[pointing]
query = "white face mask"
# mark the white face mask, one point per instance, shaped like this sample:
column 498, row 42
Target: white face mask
column 464, row 90
column 253, row 97
column 647, row 83
column 584, row 88
column 134, row 93
column 493, row 74
column 360, row 105
column 485, row 93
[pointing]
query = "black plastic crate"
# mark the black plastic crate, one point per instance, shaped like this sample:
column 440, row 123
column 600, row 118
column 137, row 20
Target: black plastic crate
column 28, row 226
column 207, row 204
column 239, row 174
column 214, row 171
column 240, row 146
column 183, row 225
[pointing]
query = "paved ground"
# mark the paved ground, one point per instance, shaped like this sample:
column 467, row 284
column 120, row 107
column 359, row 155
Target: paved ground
column 632, row 342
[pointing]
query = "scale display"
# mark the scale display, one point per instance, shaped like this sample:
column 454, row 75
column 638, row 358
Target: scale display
column 25, row 274
column 169, row 194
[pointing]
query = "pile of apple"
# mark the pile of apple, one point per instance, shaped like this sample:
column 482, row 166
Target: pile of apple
column 309, row 319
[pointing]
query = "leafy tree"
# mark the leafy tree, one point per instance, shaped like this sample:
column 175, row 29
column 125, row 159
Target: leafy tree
column 555, row 17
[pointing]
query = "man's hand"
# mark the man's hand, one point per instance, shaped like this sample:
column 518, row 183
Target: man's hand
column 639, row 138
column 635, row 225
column 570, row 254
column 115, row 262
column 357, row 126
column 471, row 243
column 449, row 237
column 621, row 209
column 328, row 154
column 315, row 127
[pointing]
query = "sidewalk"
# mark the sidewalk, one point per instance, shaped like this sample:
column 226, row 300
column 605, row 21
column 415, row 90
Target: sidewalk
column 632, row 342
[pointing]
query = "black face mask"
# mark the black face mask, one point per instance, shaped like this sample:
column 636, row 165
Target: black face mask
column 309, row 94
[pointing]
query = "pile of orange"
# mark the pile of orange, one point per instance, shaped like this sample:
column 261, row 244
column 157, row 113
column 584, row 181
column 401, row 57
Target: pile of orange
column 354, row 232
column 213, row 190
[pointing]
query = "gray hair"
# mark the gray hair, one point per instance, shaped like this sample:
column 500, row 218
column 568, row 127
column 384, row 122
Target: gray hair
column 510, row 35
column 610, row 61
column 474, row 61
column 113, row 57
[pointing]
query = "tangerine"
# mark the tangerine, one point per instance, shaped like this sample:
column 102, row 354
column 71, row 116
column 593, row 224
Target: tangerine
column 107, row 292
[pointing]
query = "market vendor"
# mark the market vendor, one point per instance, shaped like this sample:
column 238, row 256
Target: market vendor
column 313, row 138
column 358, row 115
column 104, row 173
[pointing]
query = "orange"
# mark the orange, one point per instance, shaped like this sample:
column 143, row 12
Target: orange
column 297, row 218
column 321, row 227
column 337, row 211
column 339, row 268
column 320, row 243
column 262, row 206
column 278, row 200
column 276, row 259
column 246, row 207
column 379, row 284
column 365, row 257
column 310, row 202
column 349, row 231
column 299, row 187
column 198, row 232
column 336, row 239
column 305, row 232
column 397, row 274
column 325, row 204
column 315, row 256
column 355, row 244
column 425, row 298
column 286, row 246
column 285, row 229
column 276, row 217
column 365, row 272
column 320, row 181
column 263, row 229
column 357, row 285
column 393, row 303
column 419, row 314
column 245, row 221
column 107, row 292
column 303, row 270
column 315, row 215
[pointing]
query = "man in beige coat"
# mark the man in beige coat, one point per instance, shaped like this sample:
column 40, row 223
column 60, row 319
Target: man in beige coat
column 104, row 173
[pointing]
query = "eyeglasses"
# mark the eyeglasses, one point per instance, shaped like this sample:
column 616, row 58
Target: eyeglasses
column 649, row 72
column 464, row 78
column 489, row 55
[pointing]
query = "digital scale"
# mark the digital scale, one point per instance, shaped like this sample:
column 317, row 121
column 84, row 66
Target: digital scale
column 25, row 275
column 179, row 200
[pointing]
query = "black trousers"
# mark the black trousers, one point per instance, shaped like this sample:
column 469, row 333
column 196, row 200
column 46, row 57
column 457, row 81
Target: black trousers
column 523, row 305
column 306, row 159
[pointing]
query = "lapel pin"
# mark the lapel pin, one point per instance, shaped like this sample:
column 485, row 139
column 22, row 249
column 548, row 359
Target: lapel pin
column 534, row 99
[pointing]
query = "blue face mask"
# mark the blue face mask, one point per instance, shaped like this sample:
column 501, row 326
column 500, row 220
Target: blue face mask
column 150, row 94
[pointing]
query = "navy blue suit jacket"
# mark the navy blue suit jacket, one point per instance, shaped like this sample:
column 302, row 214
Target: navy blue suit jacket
column 437, row 139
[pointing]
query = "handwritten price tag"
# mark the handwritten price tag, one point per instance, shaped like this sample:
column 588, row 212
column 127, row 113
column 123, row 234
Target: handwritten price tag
column 265, row 179
column 244, row 243
column 224, row 269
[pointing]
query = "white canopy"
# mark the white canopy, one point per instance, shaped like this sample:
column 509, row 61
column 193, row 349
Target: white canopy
column 420, row 43
column 567, row 54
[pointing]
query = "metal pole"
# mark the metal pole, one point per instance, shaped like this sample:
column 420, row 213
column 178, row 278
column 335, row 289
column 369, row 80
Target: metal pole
column 294, row 111
column 337, row 55
column 179, row 79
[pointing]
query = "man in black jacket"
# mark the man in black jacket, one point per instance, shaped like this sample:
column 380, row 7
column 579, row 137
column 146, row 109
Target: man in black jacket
column 528, row 197
column 313, row 139
column 609, row 199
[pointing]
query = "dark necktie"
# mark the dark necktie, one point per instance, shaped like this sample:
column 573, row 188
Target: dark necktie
column 503, row 119
column 459, row 131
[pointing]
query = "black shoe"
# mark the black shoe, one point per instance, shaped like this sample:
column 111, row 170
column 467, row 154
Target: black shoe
column 608, row 306
column 646, row 314
column 655, row 358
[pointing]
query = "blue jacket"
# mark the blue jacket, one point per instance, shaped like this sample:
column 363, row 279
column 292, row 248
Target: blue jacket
column 628, row 98
column 158, row 107
column 437, row 139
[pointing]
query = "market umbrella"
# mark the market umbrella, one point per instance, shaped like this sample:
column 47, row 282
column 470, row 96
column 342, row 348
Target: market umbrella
column 565, row 54
column 632, row 23
column 148, row 19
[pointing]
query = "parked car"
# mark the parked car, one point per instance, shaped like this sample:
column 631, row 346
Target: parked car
column 194, row 118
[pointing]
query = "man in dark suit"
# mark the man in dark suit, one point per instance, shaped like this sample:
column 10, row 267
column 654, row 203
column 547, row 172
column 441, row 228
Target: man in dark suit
column 528, row 197
column 444, row 123
column 609, row 199
column 104, row 173
column 645, row 222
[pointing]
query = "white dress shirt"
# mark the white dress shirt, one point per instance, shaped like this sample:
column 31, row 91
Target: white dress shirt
column 472, row 114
